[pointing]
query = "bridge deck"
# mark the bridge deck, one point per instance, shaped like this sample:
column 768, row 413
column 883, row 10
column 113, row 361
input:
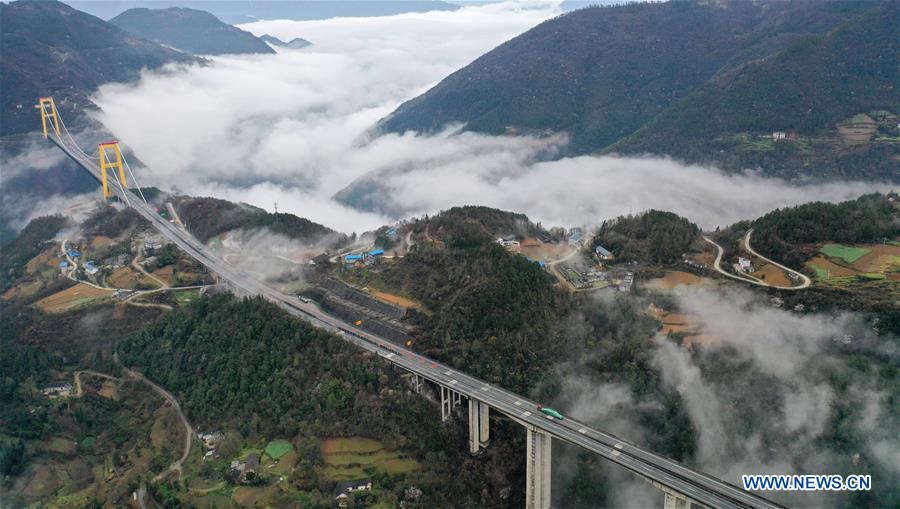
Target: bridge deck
column 698, row 486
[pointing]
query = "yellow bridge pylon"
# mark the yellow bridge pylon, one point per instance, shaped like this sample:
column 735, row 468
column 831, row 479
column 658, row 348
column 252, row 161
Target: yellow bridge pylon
column 111, row 163
column 48, row 112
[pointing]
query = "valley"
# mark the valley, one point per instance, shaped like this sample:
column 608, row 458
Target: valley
column 483, row 255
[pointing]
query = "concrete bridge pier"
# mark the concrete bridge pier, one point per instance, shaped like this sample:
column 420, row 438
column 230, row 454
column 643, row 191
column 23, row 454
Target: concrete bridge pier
column 537, row 479
column 449, row 399
column 479, row 425
column 675, row 500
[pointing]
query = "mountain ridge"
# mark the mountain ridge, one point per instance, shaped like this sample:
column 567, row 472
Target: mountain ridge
column 190, row 30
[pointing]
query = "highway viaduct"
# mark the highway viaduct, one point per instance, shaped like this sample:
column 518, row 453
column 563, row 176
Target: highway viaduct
column 682, row 487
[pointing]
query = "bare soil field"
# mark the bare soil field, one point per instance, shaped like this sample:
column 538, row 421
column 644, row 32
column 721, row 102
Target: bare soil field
column 773, row 275
column 247, row 496
column 42, row 483
column 42, row 261
column 820, row 263
column 533, row 248
column 395, row 299
column 677, row 278
column 881, row 259
column 166, row 274
column 24, row 290
column 685, row 324
column 126, row 277
column 109, row 390
column 72, row 297
column 706, row 257
column 100, row 242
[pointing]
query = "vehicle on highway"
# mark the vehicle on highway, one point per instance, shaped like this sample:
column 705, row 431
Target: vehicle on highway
column 551, row 412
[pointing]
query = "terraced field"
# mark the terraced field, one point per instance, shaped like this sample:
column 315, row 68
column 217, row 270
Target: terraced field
column 356, row 457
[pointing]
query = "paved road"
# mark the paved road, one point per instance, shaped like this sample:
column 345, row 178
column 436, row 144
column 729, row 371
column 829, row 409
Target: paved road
column 717, row 264
column 805, row 280
column 696, row 485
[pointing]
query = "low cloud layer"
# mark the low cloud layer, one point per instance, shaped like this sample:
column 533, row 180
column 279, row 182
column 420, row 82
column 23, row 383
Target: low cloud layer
column 777, row 394
column 292, row 128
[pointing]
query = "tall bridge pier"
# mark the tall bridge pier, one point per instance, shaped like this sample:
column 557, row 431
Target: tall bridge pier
column 479, row 425
column 537, row 469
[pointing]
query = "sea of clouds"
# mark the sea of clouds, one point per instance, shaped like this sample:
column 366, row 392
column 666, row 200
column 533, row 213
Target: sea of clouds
column 295, row 128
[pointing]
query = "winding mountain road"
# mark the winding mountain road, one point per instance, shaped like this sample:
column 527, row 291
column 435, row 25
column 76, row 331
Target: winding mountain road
column 805, row 281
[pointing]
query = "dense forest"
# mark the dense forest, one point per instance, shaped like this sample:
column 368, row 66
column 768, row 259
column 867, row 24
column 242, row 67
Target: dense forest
column 600, row 73
column 653, row 236
column 869, row 218
column 482, row 302
column 110, row 222
column 208, row 217
column 246, row 365
column 80, row 55
column 805, row 89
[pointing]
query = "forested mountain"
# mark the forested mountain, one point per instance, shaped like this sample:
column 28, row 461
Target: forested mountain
column 869, row 218
column 51, row 49
column 600, row 73
column 248, row 11
column 208, row 217
column 190, row 30
column 653, row 236
column 481, row 302
column 804, row 91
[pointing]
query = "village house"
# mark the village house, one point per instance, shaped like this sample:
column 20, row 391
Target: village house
column 246, row 472
column 602, row 253
column 745, row 264
column 57, row 390
column 508, row 241
column 344, row 489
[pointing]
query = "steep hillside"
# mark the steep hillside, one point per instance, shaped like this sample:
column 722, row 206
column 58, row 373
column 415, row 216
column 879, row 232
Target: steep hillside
column 248, row 11
column 51, row 49
column 600, row 73
column 805, row 91
column 190, row 30
column 208, row 217
column 295, row 43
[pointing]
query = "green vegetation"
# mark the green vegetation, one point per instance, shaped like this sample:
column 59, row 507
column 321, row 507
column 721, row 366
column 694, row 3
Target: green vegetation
column 110, row 222
column 590, row 74
column 653, row 236
column 278, row 448
column 208, row 217
column 246, row 365
column 96, row 53
column 847, row 253
column 481, row 302
column 780, row 234
column 807, row 88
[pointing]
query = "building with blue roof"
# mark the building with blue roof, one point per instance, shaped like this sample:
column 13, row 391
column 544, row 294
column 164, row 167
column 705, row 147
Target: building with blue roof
column 603, row 253
column 376, row 252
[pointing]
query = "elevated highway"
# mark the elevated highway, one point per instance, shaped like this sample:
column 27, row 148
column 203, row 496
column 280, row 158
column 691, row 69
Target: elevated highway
column 683, row 486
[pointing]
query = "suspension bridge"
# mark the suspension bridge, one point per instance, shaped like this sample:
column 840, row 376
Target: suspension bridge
column 682, row 487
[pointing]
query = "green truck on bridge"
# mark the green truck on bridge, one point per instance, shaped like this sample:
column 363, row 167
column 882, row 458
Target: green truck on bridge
column 551, row 412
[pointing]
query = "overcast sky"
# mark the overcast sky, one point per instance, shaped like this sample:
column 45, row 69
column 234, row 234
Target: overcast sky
column 292, row 128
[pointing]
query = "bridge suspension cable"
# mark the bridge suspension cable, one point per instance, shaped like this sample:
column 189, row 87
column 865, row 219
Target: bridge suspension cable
column 50, row 118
